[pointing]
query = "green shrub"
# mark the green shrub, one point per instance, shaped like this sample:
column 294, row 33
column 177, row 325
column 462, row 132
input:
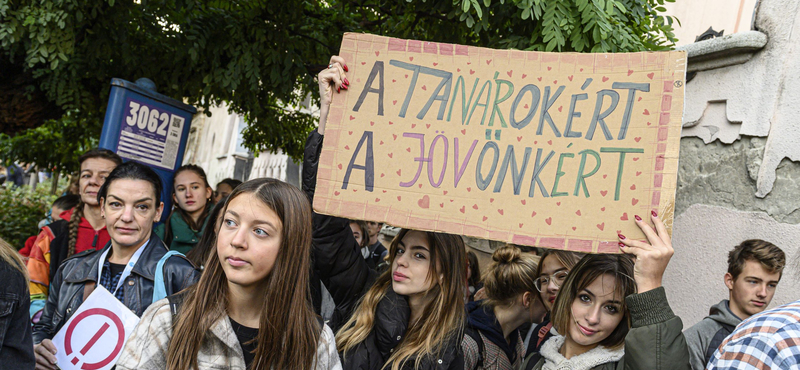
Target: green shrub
column 21, row 210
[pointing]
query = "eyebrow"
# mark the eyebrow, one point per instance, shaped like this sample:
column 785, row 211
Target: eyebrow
column 593, row 295
column 191, row 183
column 256, row 222
column 414, row 246
column 136, row 201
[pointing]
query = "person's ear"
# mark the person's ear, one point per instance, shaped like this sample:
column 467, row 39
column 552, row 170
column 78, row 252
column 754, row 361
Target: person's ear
column 527, row 297
column 729, row 280
column 174, row 198
column 209, row 193
column 159, row 210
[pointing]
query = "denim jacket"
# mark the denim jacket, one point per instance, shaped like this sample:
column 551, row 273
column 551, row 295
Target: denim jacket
column 73, row 276
column 16, row 346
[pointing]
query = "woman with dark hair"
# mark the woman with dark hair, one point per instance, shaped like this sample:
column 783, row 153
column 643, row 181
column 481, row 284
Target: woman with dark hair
column 192, row 196
column 16, row 344
column 130, row 201
column 81, row 228
column 251, row 308
column 412, row 315
column 612, row 313
column 225, row 188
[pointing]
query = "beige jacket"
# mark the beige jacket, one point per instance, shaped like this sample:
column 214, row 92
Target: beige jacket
column 146, row 348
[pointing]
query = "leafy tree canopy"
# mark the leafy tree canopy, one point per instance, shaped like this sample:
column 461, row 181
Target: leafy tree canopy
column 260, row 55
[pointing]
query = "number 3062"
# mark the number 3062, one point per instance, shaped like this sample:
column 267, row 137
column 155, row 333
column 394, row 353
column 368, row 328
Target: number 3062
column 145, row 118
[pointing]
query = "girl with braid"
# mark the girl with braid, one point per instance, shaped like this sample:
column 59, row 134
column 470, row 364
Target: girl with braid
column 192, row 196
column 80, row 229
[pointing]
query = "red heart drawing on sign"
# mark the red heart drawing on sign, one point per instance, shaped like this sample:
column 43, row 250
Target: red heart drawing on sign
column 524, row 75
column 549, row 68
column 578, row 212
column 533, row 214
column 523, row 202
column 399, row 198
column 491, row 200
column 420, row 186
column 394, row 136
column 634, row 201
column 605, row 78
column 377, row 200
column 390, row 155
column 509, row 73
column 630, row 72
column 340, row 166
column 519, row 138
column 435, row 64
column 558, row 203
column 638, row 173
column 469, row 189
column 347, row 147
column 500, row 211
column 371, row 123
column 424, row 88
column 441, row 205
column 520, row 226
column 488, row 61
column 485, row 218
column 635, row 159
column 474, row 206
column 633, row 187
column 601, row 226
column 624, row 217
column 603, row 192
column 636, row 139
column 569, row 77
column 471, row 72
column 650, row 75
column 574, row 228
column 603, row 209
column 444, row 192
column 539, row 78
column 383, row 174
column 548, row 220
column 336, row 193
column 352, row 118
column 462, row 209
column 377, row 53
column 646, row 112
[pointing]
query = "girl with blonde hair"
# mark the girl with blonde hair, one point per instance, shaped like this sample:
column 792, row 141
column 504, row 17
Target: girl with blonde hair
column 16, row 342
column 412, row 316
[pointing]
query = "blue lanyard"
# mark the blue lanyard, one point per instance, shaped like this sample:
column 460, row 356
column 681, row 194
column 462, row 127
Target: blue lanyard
column 127, row 271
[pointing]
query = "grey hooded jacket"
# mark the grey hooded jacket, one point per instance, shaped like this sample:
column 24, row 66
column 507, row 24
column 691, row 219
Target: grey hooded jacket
column 710, row 332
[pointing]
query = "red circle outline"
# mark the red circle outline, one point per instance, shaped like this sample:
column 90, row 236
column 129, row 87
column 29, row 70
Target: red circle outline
column 83, row 315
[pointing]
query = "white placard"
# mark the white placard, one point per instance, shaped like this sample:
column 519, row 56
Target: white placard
column 93, row 337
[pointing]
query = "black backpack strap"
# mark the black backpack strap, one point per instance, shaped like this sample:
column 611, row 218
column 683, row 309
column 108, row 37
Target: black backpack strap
column 476, row 336
column 175, row 301
column 716, row 341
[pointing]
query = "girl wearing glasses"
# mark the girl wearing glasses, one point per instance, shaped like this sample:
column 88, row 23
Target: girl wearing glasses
column 553, row 269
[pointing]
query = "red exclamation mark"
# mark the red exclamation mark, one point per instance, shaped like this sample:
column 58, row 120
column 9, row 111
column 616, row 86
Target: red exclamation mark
column 91, row 342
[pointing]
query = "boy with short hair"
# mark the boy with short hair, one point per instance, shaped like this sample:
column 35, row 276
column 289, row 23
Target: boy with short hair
column 754, row 270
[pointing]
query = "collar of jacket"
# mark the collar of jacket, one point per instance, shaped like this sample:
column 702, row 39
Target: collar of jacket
column 223, row 330
column 181, row 232
column 86, row 268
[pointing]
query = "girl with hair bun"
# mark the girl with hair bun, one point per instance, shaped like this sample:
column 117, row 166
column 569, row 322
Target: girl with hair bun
column 493, row 340
column 193, row 201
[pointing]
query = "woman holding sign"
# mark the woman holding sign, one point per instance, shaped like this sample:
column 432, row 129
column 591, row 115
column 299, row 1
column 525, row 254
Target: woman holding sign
column 130, row 202
column 413, row 316
column 612, row 312
column 251, row 307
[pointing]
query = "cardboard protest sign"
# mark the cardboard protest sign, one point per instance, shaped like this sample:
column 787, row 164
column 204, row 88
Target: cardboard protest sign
column 556, row 150
column 93, row 337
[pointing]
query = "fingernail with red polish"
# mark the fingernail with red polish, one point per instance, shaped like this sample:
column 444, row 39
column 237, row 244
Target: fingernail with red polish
column 654, row 213
column 622, row 237
column 346, row 82
column 344, row 87
column 345, row 68
column 621, row 245
column 337, row 90
column 637, row 217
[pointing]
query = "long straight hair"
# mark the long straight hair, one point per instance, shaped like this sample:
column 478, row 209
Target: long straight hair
column 194, row 225
column 288, row 330
column 441, row 320
column 589, row 268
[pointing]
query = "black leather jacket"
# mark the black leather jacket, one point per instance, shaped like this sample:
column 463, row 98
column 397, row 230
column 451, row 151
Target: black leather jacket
column 67, row 286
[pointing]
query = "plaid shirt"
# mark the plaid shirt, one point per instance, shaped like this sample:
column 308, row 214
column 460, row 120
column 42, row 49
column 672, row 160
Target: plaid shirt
column 770, row 340
column 110, row 282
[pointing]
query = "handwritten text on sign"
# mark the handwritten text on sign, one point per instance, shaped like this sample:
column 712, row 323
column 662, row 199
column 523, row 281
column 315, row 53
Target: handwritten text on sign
column 546, row 149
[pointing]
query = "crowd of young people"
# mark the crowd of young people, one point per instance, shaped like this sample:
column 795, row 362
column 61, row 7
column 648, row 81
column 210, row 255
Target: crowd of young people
column 246, row 293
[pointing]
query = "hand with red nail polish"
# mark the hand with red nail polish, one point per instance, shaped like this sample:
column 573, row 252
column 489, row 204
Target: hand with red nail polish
column 637, row 217
column 653, row 212
column 329, row 79
column 652, row 257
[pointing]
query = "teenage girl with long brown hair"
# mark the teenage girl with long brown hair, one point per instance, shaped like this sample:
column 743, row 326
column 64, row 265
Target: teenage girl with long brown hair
column 192, row 196
column 251, row 307
column 412, row 316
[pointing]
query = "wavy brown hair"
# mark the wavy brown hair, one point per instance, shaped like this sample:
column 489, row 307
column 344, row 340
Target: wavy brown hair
column 589, row 268
column 287, row 338
column 442, row 319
